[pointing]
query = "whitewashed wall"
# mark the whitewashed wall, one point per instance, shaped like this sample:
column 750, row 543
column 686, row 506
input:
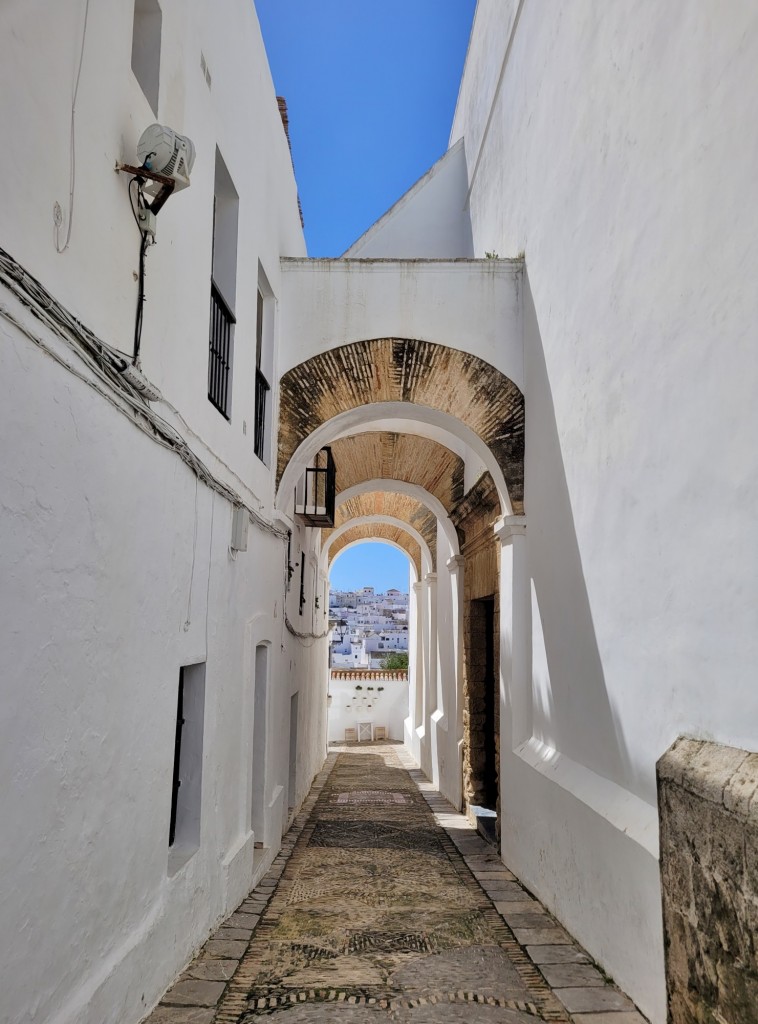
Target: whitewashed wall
column 349, row 707
column 95, row 277
column 469, row 305
column 430, row 220
column 115, row 565
column 616, row 148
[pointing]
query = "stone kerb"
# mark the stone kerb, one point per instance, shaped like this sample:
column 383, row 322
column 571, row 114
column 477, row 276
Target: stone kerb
column 708, row 808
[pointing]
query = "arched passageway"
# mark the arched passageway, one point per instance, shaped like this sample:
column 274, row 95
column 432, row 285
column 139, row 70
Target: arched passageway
column 419, row 373
column 369, row 696
column 427, row 443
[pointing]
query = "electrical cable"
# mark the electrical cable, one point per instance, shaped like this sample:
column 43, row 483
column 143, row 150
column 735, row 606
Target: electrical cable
column 135, row 181
column 106, row 364
column 303, row 636
column 72, row 143
column 144, row 242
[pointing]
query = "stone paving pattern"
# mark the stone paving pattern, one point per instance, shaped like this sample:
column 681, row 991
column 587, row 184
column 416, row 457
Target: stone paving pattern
column 384, row 904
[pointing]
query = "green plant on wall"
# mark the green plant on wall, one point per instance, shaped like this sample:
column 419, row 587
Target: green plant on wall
column 395, row 660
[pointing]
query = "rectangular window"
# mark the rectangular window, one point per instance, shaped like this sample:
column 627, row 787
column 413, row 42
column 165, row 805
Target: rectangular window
column 264, row 366
column 146, row 49
column 302, row 582
column 292, row 778
column 223, row 289
column 187, row 776
column 177, row 760
column 262, row 386
column 257, row 810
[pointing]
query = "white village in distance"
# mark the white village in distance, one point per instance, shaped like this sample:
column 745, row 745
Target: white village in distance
column 368, row 679
column 368, row 626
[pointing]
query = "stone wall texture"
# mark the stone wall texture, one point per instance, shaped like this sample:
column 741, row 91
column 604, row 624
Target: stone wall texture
column 389, row 503
column 406, row 370
column 474, row 517
column 708, row 805
column 387, row 455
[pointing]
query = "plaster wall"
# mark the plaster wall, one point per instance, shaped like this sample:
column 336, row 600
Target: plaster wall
column 630, row 190
column 471, row 305
column 444, row 718
column 430, row 220
column 95, row 277
column 117, row 571
column 349, row 707
column 115, row 562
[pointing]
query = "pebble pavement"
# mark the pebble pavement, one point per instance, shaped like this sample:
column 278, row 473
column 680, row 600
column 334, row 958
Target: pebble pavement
column 384, row 904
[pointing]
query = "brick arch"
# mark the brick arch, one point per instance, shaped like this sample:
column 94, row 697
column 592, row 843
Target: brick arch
column 409, row 458
column 378, row 531
column 403, row 370
column 389, row 503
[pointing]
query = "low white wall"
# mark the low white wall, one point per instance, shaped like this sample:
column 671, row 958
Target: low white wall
column 350, row 706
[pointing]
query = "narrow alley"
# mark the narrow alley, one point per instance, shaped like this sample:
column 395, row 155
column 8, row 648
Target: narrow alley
column 385, row 901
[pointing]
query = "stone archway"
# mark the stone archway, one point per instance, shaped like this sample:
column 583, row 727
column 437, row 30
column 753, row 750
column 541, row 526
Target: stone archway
column 397, row 506
column 400, row 370
column 400, row 457
column 353, row 532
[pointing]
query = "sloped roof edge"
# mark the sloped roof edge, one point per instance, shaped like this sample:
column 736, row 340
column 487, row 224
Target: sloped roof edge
column 404, row 199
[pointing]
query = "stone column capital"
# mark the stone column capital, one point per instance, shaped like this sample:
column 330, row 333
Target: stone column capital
column 455, row 563
column 417, row 587
column 508, row 527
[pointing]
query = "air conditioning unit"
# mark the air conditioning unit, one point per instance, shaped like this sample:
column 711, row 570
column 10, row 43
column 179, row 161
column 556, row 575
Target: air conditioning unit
column 163, row 151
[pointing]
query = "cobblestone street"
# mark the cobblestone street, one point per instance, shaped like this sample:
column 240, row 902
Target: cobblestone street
column 385, row 904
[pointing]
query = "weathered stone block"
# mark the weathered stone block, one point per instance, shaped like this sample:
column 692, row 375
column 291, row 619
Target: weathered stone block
column 572, row 975
column 709, row 879
column 194, row 993
column 593, row 999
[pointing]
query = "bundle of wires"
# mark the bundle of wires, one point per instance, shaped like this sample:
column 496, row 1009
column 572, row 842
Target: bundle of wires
column 105, row 365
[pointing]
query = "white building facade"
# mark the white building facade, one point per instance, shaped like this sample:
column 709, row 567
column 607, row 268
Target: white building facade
column 118, row 575
column 368, row 626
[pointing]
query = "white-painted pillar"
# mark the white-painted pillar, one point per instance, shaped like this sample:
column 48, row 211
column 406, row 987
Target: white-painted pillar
column 429, row 760
column 515, row 635
column 453, row 701
column 415, row 670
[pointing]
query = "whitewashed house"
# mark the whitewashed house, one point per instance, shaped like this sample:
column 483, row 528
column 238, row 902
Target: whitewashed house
column 119, row 580
column 561, row 439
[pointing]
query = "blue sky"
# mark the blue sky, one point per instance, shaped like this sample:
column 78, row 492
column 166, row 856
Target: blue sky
column 371, row 87
column 372, row 564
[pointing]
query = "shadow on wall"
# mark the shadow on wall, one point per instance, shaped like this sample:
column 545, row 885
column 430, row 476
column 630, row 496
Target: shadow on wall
column 571, row 709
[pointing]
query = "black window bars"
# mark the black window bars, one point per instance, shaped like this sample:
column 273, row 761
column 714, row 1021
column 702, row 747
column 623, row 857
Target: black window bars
column 220, row 352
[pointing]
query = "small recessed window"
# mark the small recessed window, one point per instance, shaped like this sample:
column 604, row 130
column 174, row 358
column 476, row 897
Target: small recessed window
column 187, row 784
column 146, row 48
column 264, row 366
